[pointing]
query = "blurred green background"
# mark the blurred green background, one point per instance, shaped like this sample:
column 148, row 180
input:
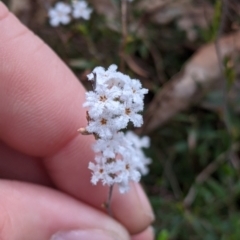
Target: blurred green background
column 192, row 109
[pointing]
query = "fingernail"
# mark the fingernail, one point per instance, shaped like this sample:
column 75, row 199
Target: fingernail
column 146, row 207
column 89, row 234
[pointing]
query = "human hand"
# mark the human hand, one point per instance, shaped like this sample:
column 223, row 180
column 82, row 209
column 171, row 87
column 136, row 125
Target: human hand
column 40, row 149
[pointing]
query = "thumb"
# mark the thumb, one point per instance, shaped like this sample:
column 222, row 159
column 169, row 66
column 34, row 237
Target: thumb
column 31, row 212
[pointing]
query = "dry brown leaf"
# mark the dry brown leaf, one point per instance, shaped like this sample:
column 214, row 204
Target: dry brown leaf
column 17, row 6
column 198, row 76
column 165, row 11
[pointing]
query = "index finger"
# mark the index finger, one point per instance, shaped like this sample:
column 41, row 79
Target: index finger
column 41, row 108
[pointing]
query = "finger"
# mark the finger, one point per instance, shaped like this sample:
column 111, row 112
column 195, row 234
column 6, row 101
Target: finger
column 31, row 212
column 18, row 166
column 147, row 234
column 41, row 101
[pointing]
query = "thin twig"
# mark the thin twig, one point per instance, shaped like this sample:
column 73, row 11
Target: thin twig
column 124, row 33
column 171, row 176
column 202, row 177
column 206, row 173
column 108, row 204
column 169, row 173
column 158, row 62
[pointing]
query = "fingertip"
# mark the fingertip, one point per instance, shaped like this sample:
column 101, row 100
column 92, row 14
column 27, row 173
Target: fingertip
column 3, row 11
column 137, row 204
column 147, row 234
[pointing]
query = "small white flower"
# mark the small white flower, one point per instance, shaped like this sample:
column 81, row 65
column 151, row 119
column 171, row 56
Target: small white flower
column 102, row 172
column 103, row 127
column 129, row 171
column 110, row 76
column 103, row 99
column 136, row 141
column 123, row 187
column 130, row 113
column 59, row 14
column 81, row 10
column 106, row 170
column 98, row 172
column 111, row 147
column 138, row 155
column 135, row 90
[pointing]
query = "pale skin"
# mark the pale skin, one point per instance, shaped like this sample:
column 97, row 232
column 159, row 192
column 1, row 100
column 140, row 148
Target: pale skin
column 40, row 149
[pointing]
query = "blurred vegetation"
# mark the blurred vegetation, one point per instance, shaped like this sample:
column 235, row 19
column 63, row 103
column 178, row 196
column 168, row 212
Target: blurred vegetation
column 194, row 183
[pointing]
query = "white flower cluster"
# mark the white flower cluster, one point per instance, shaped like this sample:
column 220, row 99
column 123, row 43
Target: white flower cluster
column 60, row 14
column 116, row 100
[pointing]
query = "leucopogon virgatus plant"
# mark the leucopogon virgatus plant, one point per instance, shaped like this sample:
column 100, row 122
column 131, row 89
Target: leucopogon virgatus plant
column 115, row 101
